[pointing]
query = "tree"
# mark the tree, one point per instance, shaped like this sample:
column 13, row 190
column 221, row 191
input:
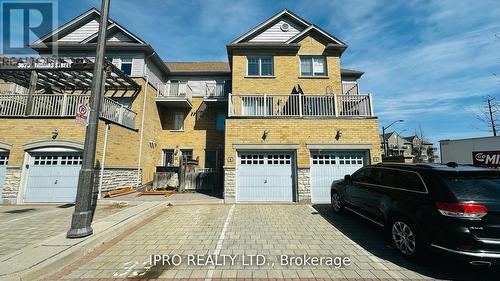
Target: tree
column 488, row 113
column 422, row 150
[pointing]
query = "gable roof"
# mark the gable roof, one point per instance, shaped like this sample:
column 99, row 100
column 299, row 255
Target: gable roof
column 212, row 67
column 91, row 32
column 286, row 14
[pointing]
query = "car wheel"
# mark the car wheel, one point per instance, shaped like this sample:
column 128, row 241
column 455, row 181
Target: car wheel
column 336, row 202
column 405, row 238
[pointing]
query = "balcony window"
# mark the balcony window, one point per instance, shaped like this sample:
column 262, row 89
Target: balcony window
column 260, row 66
column 311, row 66
column 178, row 121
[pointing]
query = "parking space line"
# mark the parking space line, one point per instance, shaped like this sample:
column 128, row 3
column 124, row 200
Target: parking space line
column 222, row 236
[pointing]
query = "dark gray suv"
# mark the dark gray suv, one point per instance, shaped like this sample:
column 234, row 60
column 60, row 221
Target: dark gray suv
column 451, row 208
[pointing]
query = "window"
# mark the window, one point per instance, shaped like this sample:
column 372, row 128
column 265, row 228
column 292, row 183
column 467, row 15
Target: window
column 126, row 66
column 187, row 154
column 260, row 66
column 168, row 157
column 471, row 187
column 220, row 121
column 178, row 122
column 312, row 66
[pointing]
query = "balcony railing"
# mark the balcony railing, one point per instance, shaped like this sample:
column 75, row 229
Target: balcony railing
column 215, row 90
column 175, row 90
column 48, row 105
column 299, row 105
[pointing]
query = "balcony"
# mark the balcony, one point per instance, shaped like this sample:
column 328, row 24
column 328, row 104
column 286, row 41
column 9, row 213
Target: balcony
column 61, row 105
column 300, row 105
column 175, row 95
column 216, row 91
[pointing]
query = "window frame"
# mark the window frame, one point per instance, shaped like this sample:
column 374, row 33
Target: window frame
column 425, row 191
column 312, row 57
column 165, row 152
column 260, row 57
column 186, row 150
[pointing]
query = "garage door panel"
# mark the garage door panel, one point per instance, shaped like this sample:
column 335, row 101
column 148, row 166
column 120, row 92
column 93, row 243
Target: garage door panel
column 53, row 177
column 265, row 176
column 328, row 166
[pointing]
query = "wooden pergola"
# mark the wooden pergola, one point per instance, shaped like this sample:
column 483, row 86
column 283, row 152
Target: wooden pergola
column 68, row 75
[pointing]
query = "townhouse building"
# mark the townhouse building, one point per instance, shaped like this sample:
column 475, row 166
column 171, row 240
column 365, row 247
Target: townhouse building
column 279, row 121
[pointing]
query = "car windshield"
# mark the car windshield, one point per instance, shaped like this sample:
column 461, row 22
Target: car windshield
column 470, row 187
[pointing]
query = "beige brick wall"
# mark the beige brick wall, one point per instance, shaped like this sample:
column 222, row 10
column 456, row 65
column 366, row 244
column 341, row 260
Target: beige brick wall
column 286, row 72
column 302, row 132
column 198, row 134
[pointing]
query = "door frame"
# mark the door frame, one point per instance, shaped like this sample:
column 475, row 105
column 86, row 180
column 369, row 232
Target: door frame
column 293, row 153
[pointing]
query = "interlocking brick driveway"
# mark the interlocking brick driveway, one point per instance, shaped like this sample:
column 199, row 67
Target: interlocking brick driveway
column 25, row 225
column 268, row 230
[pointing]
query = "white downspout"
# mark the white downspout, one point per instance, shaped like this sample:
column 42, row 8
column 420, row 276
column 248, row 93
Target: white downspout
column 106, row 128
column 138, row 180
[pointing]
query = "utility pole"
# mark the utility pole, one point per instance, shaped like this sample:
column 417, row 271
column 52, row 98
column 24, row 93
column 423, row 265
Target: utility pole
column 492, row 120
column 82, row 217
column 386, row 151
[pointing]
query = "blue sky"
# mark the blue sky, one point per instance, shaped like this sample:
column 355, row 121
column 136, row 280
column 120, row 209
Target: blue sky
column 427, row 62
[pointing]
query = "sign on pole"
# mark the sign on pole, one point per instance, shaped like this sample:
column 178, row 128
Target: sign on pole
column 82, row 114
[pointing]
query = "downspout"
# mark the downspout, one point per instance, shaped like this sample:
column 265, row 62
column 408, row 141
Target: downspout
column 106, row 128
column 141, row 140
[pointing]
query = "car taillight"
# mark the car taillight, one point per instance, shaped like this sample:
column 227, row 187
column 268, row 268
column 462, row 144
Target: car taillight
column 462, row 210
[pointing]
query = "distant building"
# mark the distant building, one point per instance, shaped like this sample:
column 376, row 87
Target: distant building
column 405, row 148
column 484, row 151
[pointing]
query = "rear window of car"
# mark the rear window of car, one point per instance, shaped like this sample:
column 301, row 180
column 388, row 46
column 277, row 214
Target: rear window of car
column 389, row 177
column 474, row 187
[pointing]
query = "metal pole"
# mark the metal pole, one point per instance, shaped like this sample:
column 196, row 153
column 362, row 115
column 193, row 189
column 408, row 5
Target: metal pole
column 101, row 178
column 82, row 217
column 383, row 141
column 492, row 120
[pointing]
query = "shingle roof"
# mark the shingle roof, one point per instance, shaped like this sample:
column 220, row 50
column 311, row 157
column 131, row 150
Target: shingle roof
column 351, row 72
column 197, row 67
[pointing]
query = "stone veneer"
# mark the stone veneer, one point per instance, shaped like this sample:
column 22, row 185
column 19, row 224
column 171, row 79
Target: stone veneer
column 115, row 178
column 229, row 185
column 304, row 185
column 11, row 185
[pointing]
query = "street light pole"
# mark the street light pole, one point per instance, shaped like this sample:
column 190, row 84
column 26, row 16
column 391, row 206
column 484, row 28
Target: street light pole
column 82, row 217
column 384, row 142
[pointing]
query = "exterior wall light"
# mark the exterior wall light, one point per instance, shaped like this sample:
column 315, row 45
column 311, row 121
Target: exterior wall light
column 265, row 134
column 338, row 134
column 55, row 133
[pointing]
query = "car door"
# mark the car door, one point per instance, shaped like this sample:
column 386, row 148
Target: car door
column 355, row 190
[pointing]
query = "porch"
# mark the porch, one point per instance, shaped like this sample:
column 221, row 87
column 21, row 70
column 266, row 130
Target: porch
column 300, row 105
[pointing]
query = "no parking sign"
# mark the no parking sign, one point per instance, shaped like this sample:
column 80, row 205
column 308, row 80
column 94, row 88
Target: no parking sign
column 82, row 114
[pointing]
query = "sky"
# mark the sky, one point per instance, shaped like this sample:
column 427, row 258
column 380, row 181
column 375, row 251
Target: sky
column 429, row 63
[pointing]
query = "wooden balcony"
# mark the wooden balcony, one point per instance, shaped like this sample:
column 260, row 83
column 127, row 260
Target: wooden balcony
column 300, row 105
column 174, row 94
column 61, row 105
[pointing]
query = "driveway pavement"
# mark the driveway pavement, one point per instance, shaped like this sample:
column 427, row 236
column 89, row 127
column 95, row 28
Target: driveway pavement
column 25, row 225
column 267, row 230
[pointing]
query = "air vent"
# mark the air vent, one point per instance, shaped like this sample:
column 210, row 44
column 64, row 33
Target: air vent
column 285, row 26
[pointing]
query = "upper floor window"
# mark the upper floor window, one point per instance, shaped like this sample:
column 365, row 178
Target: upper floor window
column 126, row 66
column 311, row 66
column 260, row 66
column 178, row 121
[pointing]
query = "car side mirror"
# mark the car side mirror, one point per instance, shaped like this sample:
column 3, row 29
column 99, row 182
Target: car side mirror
column 347, row 178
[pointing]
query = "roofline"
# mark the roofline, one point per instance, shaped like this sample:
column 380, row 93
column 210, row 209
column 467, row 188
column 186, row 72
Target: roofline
column 351, row 73
column 200, row 73
column 268, row 21
column 476, row 138
column 318, row 29
column 114, row 25
column 70, row 24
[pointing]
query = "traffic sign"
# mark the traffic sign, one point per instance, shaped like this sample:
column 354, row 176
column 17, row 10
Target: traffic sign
column 82, row 114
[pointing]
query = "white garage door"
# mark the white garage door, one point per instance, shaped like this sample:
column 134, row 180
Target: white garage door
column 53, row 177
column 327, row 166
column 4, row 159
column 265, row 176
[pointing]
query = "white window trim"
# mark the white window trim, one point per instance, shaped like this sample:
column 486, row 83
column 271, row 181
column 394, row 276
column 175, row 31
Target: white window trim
column 260, row 65
column 311, row 57
column 119, row 63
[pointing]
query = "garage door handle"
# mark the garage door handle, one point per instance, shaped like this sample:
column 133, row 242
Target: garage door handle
column 55, row 182
column 265, row 181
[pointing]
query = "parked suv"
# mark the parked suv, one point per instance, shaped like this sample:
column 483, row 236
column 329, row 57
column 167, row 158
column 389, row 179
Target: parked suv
column 451, row 208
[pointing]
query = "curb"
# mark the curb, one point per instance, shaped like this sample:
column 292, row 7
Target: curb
column 58, row 252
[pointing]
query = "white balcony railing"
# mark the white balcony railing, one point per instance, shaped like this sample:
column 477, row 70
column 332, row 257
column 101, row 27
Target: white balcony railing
column 48, row 105
column 298, row 105
column 215, row 90
column 174, row 90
